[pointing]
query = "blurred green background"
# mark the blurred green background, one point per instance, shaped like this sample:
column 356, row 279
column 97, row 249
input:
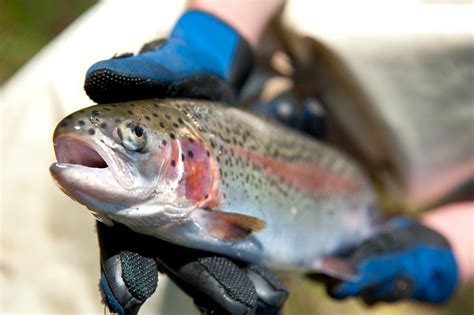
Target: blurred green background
column 26, row 26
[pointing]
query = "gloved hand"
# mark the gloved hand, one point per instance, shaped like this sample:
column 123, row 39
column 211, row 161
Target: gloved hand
column 202, row 58
column 406, row 261
column 130, row 263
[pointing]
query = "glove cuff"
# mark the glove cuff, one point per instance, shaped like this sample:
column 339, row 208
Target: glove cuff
column 231, row 56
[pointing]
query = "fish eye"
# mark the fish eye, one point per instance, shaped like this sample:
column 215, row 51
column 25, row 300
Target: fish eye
column 138, row 131
column 132, row 135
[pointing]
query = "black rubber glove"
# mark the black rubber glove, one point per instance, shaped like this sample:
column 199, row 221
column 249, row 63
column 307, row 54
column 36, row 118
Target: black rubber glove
column 130, row 263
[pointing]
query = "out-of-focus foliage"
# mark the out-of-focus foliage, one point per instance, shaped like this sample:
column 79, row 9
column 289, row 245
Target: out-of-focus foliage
column 26, row 26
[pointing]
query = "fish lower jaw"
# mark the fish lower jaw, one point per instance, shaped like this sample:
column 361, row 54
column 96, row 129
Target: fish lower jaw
column 96, row 188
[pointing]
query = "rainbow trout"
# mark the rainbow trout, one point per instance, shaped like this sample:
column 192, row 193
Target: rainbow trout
column 212, row 177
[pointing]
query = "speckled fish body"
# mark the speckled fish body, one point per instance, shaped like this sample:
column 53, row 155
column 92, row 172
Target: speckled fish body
column 212, row 177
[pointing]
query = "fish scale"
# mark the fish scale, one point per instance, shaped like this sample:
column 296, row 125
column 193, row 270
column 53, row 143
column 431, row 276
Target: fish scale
column 213, row 177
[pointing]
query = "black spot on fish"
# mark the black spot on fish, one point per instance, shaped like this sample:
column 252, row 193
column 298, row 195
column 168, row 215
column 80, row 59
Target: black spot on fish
column 103, row 125
column 156, row 105
column 95, row 113
column 63, row 124
column 218, row 159
column 172, row 136
column 208, row 154
column 180, row 121
column 191, row 140
column 147, row 118
column 213, row 144
column 163, row 142
column 182, row 157
column 162, row 125
column 155, row 115
column 91, row 131
column 167, row 116
column 106, row 108
column 82, row 111
column 175, row 125
column 119, row 133
column 130, row 112
column 173, row 163
column 131, row 104
column 117, row 121
column 69, row 117
column 81, row 123
column 190, row 154
column 113, row 105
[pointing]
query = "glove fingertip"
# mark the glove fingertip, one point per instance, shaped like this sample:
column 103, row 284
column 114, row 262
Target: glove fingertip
column 108, row 298
column 344, row 290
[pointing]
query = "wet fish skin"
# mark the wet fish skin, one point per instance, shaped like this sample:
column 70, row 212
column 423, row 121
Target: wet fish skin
column 211, row 177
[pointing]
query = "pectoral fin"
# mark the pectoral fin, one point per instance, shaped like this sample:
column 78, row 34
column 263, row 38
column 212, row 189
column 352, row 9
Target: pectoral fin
column 227, row 226
column 334, row 267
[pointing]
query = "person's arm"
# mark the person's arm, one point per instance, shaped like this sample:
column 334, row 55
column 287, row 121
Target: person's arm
column 248, row 17
column 456, row 223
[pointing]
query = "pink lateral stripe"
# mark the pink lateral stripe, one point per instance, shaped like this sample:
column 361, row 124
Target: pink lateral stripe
column 308, row 177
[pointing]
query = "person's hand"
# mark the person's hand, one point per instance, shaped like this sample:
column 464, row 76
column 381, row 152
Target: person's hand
column 202, row 58
column 210, row 62
column 407, row 261
column 130, row 264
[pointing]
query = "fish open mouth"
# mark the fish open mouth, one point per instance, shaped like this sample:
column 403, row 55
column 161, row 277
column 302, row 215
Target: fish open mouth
column 74, row 151
column 90, row 169
column 90, row 173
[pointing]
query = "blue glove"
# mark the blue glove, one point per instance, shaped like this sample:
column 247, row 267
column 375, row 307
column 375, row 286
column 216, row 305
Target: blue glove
column 407, row 261
column 202, row 58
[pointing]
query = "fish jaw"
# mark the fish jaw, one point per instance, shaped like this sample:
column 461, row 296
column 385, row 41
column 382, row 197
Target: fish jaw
column 92, row 174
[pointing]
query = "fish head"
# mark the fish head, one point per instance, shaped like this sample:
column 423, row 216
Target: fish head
column 116, row 157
